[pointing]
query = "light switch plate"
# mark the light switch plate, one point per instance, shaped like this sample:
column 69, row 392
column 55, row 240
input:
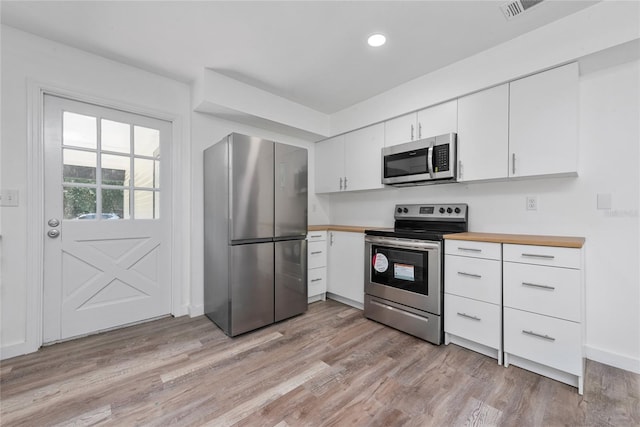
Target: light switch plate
column 8, row 197
column 604, row 200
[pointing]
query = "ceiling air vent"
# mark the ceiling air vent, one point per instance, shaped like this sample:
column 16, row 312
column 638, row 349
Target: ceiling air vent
column 511, row 9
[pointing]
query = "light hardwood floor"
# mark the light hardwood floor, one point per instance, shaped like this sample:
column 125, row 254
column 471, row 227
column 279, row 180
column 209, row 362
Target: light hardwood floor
column 328, row 367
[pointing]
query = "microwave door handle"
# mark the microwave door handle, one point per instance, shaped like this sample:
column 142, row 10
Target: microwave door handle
column 430, row 160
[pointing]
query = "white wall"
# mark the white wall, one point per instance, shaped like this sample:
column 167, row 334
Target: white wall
column 609, row 160
column 27, row 62
column 206, row 131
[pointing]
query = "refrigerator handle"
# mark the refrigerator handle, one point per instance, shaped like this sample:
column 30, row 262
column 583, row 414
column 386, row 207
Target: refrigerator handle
column 331, row 238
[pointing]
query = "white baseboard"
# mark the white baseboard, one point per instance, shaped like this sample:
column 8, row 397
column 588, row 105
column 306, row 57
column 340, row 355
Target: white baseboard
column 612, row 359
column 9, row 351
column 347, row 301
column 195, row 310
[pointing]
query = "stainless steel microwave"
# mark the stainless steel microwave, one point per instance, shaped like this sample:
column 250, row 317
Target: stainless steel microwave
column 427, row 160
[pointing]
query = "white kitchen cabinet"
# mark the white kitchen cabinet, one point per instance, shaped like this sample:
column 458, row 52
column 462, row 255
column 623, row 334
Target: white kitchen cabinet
column 543, row 311
column 473, row 296
column 346, row 267
column 350, row 162
column 438, row 120
column 363, row 158
column 432, row 121
column 329, row 165
column 483, row 135
column 543, row 123
column 316, row 265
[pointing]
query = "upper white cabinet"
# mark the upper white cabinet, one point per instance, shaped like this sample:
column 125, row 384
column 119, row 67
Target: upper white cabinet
column 483, row 134
column 543, row 123
column 350, row 162
column 432, row 121
column 363, row 162
column 400, row 130
column 438, row 120
column 329, row 163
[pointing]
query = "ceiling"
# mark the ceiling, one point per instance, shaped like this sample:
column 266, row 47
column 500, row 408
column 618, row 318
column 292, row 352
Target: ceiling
column 310, row 52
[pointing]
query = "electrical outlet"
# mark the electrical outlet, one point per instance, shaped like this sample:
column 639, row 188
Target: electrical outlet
column 532, row 203
column 8, row 197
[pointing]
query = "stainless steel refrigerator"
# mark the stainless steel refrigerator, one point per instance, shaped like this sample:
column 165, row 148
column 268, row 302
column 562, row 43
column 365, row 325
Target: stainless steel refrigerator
column 255, row 226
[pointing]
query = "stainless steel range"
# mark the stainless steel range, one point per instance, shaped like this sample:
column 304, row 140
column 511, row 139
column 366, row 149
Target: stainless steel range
column 404, row 268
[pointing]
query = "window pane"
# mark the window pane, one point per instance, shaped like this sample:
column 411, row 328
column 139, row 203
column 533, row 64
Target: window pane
column 116, row 170
column 79, row 130
column 115, row 137
column 144, row 205
column 156, row 204
column 146, row 141
column 79, row 203
column 113, row 203
column 78, row 166
column 145, row 174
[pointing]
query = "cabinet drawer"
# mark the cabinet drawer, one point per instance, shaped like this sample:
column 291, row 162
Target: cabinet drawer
column 317, row 281
column 317, row 255
column 542, row 339
column 543, row 255
column 473, row 249
column 474, row 320
column 546, row 290
column 473, row 278
column 316, row 236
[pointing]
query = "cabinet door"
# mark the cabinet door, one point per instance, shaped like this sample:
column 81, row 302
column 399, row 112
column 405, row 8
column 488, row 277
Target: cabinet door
column 543, row 123
column 346, row 265
column 400, row 130
column 483, row 134
column 438, row 120
column 362, row 154
column 329, row 164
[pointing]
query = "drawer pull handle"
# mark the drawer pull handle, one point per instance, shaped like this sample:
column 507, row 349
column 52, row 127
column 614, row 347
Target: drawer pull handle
column 315, row 235
column 539, row 256
column 546, row 337
column 462, row 273
column 469, row 249
column 535, row 285
column 315, row 280
column 468, row 316
column 316, row 252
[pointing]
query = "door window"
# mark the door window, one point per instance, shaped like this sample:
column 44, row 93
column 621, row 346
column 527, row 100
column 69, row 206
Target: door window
column 111, row 169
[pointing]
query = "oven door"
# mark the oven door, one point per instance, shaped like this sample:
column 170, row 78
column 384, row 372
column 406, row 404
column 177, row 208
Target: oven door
column 405, row 271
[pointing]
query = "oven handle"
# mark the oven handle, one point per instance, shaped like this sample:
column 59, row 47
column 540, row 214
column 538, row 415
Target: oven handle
column 402, row 244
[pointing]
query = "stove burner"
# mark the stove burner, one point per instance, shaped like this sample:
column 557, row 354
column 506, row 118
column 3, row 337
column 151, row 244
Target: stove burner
column 426, row 222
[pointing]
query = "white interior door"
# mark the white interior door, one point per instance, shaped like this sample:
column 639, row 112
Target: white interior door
column 106, row 250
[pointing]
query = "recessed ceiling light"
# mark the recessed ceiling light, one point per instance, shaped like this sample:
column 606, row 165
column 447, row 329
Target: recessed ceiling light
column 376, row 40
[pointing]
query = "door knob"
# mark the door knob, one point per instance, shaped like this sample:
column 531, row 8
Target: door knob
column 53, row 233
column 53, row 222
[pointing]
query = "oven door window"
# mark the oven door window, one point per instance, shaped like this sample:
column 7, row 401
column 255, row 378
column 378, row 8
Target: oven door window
column 407, row 163
column 400, row 268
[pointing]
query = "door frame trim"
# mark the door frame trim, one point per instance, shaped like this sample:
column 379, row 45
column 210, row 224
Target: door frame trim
column 36, row 90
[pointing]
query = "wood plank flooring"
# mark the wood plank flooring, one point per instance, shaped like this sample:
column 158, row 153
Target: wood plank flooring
column 328, row 367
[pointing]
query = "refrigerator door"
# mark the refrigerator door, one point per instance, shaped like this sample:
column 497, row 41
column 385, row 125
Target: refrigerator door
column 250, row 189
column 291, row 278
column 251, row 287
column 290, row 191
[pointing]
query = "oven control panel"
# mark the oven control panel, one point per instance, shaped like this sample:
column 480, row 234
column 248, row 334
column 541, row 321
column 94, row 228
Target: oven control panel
column 435, row 212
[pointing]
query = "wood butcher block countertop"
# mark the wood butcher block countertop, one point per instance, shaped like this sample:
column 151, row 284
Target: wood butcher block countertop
column 350, row 228
column 520, row 239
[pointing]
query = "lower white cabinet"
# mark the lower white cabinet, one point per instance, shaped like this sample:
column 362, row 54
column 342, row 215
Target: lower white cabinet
column 346, row 267
column 519, row 303
column 316, row 265
column 543, row 311
column 473, row 296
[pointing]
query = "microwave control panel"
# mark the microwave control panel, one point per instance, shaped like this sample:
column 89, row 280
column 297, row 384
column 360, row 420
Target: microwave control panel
column 441, row 158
